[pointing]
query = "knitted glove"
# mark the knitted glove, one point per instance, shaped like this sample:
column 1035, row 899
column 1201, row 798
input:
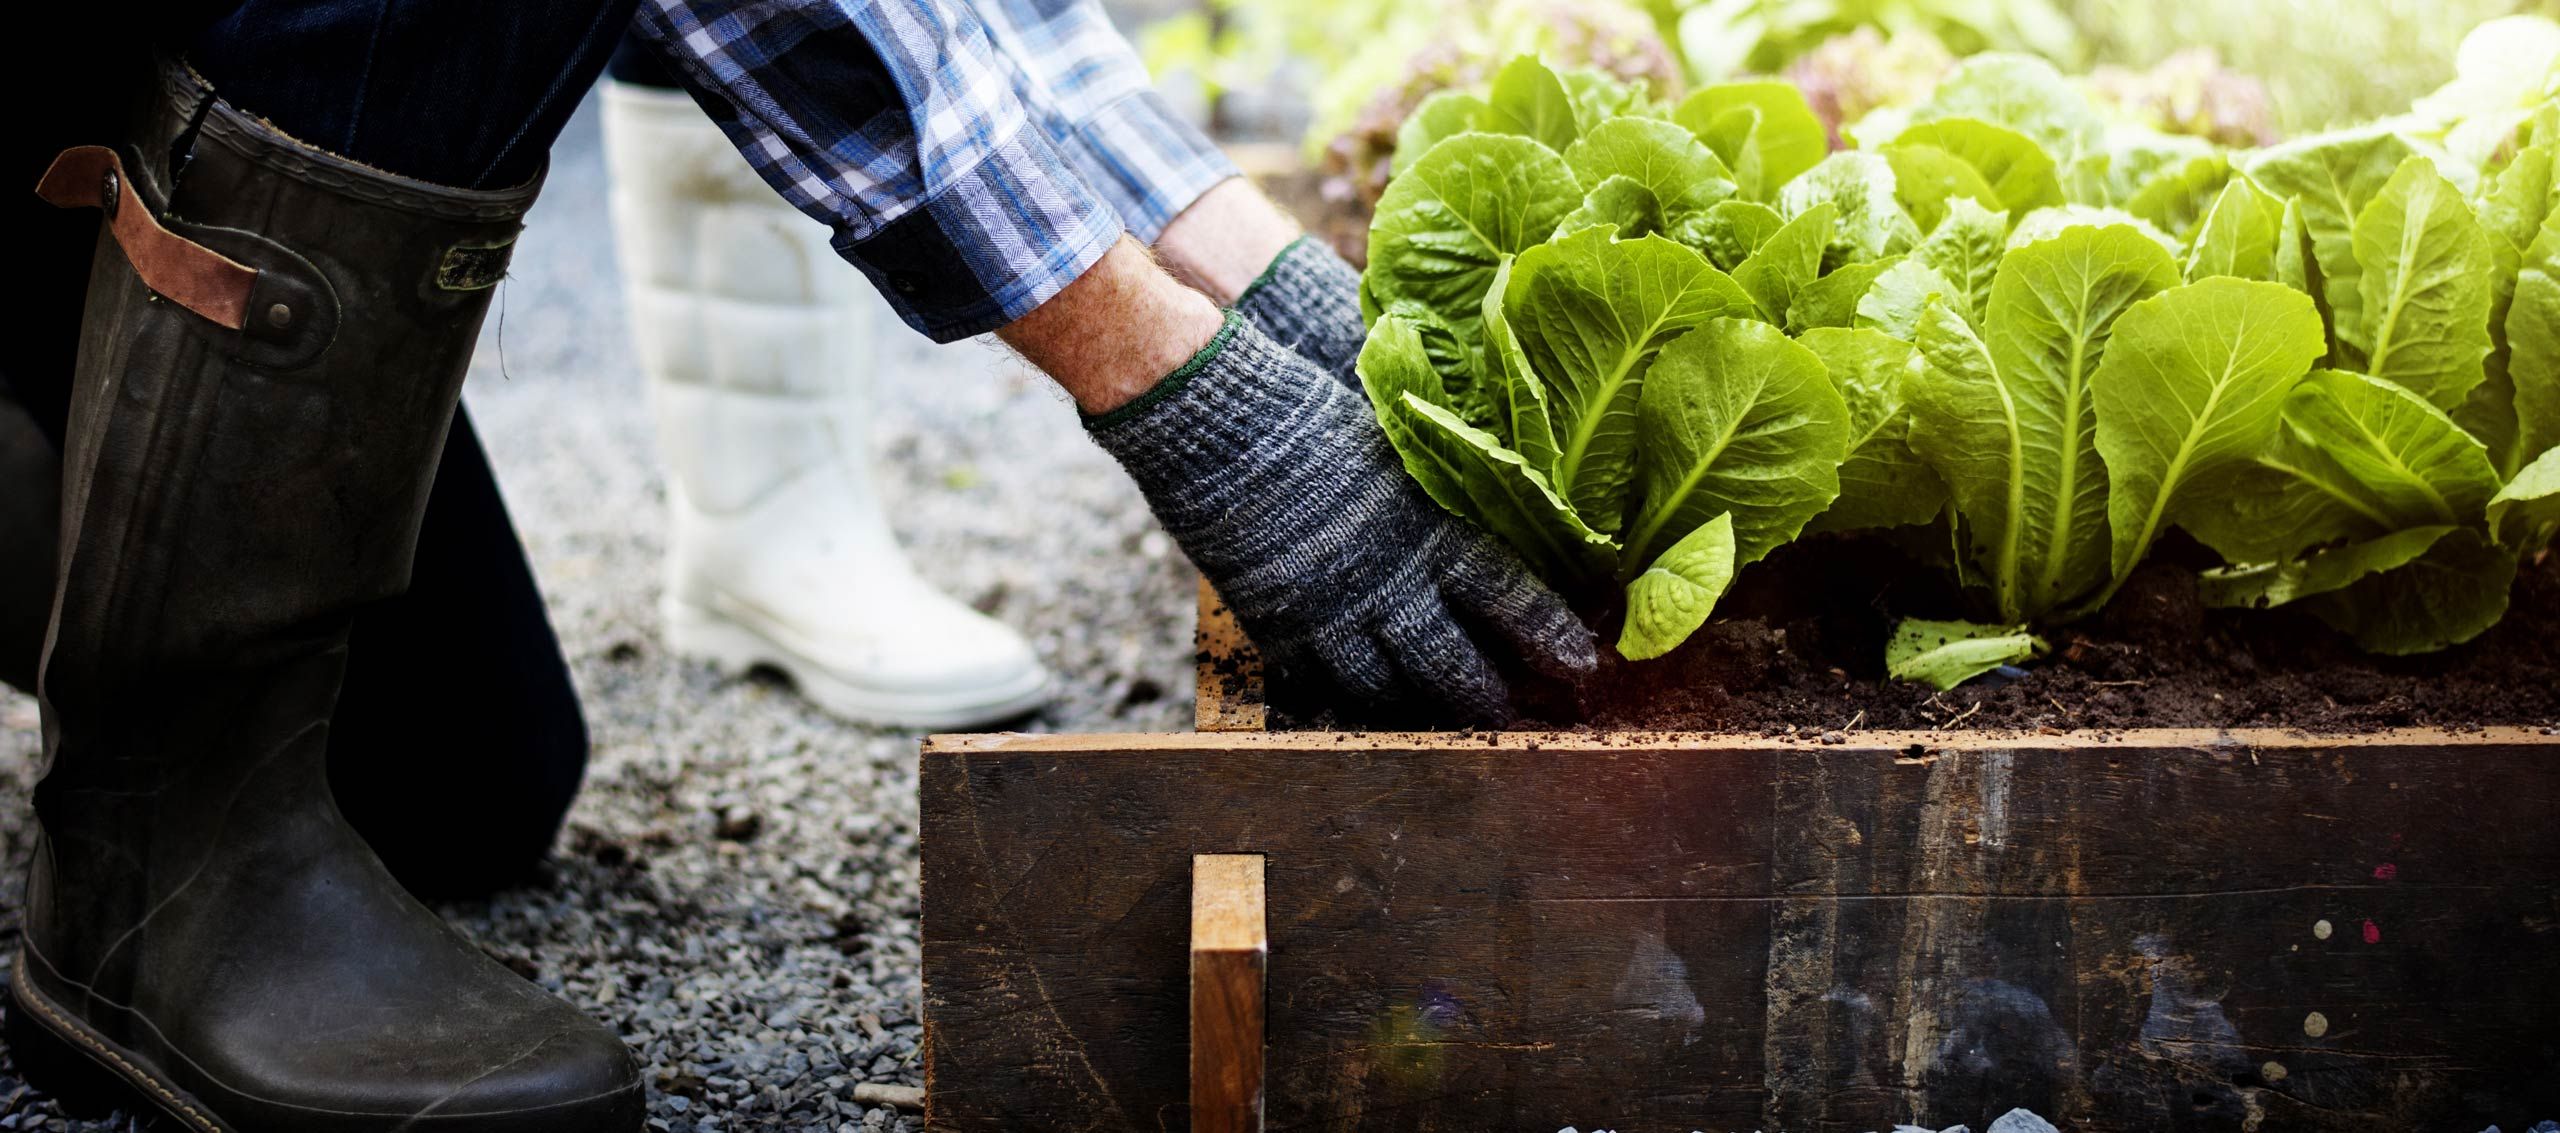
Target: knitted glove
column 1352, row 583
column 1309, row 300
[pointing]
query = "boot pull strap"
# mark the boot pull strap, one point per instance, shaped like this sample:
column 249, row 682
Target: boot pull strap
column 180, row 270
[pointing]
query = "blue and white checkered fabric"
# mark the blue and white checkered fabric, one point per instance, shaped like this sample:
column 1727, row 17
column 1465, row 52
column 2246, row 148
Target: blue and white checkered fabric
column 972, row 156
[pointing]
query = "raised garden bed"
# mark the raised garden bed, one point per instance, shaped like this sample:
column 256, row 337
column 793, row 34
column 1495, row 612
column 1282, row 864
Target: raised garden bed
column 2141, row 929
column 2078, row 621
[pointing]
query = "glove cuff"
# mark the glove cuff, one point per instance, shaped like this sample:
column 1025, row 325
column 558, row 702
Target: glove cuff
column 1308, row 300
column 1210, row 426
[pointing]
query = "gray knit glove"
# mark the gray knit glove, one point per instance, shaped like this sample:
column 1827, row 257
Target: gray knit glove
column 1359, row 591
column 1309, row 301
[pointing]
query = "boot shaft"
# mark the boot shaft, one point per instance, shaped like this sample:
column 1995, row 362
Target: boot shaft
column 231, row 496
column 232, row 492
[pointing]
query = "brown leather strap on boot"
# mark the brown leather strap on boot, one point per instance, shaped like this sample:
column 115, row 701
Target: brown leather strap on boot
column 178, row 269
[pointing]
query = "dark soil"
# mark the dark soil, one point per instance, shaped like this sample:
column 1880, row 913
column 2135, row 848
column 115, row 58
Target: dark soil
column 1798, row 648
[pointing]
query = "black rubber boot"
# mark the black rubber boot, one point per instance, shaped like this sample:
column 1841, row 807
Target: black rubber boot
column 203, row 931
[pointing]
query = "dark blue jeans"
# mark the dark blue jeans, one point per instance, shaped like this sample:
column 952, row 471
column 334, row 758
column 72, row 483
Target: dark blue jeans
column 468, row 93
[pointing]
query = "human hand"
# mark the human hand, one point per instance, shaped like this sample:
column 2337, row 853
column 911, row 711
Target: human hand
column 1308, row 300
column 1351, row 581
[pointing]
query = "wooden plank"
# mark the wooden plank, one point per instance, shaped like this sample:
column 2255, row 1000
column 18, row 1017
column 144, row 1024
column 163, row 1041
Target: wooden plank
column 1230, row 696
column 1701, row 933
column 1230, row 942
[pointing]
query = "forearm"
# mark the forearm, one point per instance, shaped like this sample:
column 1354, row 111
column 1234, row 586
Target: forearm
column 1226, row 240
column 1116, row 331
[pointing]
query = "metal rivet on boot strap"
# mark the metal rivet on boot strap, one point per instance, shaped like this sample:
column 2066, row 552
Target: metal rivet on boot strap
column 110, row 192
column 279, row 316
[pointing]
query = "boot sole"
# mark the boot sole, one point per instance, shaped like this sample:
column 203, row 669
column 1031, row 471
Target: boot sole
column 737, row 647
column 84, row 1074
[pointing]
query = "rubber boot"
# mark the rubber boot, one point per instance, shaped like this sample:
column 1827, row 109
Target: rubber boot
column 756, row 337
column 246, row 465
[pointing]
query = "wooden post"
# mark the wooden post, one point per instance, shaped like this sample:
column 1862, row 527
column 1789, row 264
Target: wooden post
column 1229, row 943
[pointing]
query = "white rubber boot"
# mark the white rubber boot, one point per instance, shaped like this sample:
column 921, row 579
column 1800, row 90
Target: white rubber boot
column 756, row 339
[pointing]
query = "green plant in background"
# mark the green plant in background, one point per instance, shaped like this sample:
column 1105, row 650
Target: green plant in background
column 1373, row 63
column 1728, row 39
column 2324, row 62
column 1649, row 343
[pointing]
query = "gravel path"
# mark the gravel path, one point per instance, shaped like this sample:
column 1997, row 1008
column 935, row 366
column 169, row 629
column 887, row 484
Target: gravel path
column 736, row 892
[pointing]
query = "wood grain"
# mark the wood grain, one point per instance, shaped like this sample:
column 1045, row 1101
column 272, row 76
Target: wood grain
column 1684, row 932
column 1230, row 942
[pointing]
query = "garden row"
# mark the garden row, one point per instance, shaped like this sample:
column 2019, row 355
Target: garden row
column 1648, row 343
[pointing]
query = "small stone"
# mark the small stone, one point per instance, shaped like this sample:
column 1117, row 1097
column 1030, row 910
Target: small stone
column 2021, row 1121
column 739, row 824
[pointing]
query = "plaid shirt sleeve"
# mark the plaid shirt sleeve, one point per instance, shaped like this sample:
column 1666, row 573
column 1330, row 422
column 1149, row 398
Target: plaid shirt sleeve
column 902, row 126
column 1090, row 94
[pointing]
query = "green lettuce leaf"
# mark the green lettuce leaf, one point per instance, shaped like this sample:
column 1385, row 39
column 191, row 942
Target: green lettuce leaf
column 2045, row 224
column 1442, row 115
column 2424, row 264
column 1925, row 178
column 1859, row 187
column 2405, row 457
column 2448, row 596
column 2524, row 512
column 2176, row 199
column 1735, row 417
column 1784, row 138
column 2132, row 158
column 1393, row 366
column 1901, row 293
column 2238, row 234
column 2018, row 175
column 2533, row 334
column 1590, row 312
column 1619, row 203
column 2284, row 502
column 1465, row 469
column 1599, row 96
column 1529, row 100
column 1943, row 655
column 2296, row 266
column 1682, row 173
column 1832, row 301
column 1788, row 261
column 2192, row 386
column 2020, row 93
column 2357, row 458
column 2513, row 213
column 1966, row 248
column 1882, row 483
column 1446, row 225
column 2332, row 177
column 2009, row 418
column 1675, row 595
column 1730, row 231
column 2268, row 585
column 1520, row 399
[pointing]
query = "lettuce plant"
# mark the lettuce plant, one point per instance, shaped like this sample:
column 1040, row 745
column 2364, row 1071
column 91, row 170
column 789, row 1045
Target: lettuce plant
column 1649, row 344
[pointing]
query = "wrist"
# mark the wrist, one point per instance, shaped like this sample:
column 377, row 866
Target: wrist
column 1117, row 331
column 1171, row 385
column 1226, row 240
column 1239, row 420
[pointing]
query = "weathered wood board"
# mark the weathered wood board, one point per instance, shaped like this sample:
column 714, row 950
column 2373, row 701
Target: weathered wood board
column 2169, row 930
column 1230, row 942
